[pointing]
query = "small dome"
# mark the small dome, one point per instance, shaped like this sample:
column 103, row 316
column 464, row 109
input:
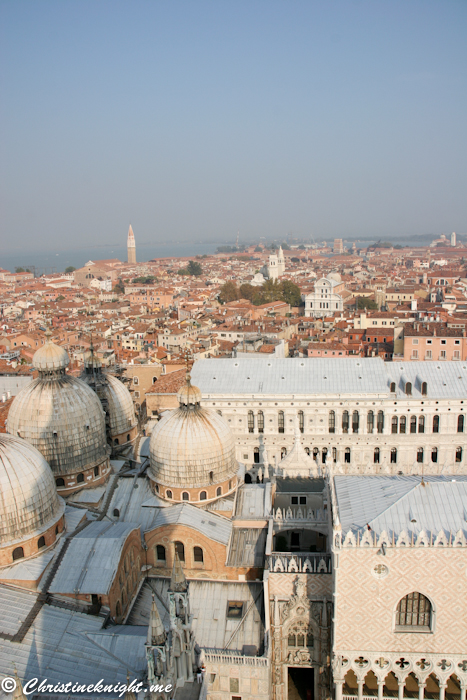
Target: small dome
column 120, row 406
column 29, row 502
column 192, row 446
column 50, row 357
column 92, row 361
column 63, row 418
column 188, row 394
column 335, row 276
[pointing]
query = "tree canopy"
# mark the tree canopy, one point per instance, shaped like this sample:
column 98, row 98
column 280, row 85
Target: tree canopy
column 69, row 269
column 366, row 303
column 271, row 290
column 193, row 268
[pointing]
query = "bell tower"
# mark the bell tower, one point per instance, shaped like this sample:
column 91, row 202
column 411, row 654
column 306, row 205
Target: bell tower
column 131, row 246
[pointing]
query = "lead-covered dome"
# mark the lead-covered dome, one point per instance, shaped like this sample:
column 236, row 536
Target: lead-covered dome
column 192, row 447
column 29, row 503
column 62, row 417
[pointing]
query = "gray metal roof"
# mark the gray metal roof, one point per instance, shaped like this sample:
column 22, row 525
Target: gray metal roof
column 396, row 503
column 214, row 526
column 251, row 502
column 289, row 485
column 247, row 547
column 62, row 645
column 339, row 376
column 91, row 560
column 15, row 604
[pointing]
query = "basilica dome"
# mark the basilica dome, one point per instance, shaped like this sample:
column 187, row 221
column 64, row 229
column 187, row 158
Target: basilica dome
column 115, row 399
column 63, row 418
column 29, row 504
column 192, row 448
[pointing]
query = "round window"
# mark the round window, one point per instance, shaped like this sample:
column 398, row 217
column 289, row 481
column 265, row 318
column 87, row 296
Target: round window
column 380, row 571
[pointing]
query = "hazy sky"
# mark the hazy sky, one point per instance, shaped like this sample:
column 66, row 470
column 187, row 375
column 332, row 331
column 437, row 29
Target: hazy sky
column 193, row 120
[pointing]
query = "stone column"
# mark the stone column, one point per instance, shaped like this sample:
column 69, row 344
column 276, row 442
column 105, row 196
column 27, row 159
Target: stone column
column 442, row 690
column 339, row 687
column 463, row 691
column 421, row 691
column 380, row 689
column 401, row 690
column 360, row 689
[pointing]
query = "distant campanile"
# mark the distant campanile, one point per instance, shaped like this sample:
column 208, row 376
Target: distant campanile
column 131, row 246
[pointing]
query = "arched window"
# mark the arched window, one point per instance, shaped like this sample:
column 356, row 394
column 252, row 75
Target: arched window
column 128, row 437
column 392, row 388
column 355, row 421
column 41, row 542
column 393, row 455
column 420, row 455
column 459, row 454
column 380, row 422
column 436, row 423
column 460, row 424
column 185, row 496
column 203, row 495
column 301, row 421
column 59, row 482
column 324, row 454
column 116, row 441
column 198, row 555
column 260, row 422
column 211, row 477
column 434, row 454
column 80, row 478
column 154, row 380
column 256, row 455
column 376, row 455
column 307, row 450
column 345, row 422
column 96, row 471
column 370, row 422
column 160, row 552
column 413, row 611
column 283, row 452
column 424, row 388
column 57, row 530
column 402, row 424
column 247, row 478
column 347, row 455
column 219, row 491
column 180, row 549
column 168, row 494
column 18, row 553
column 116, row 513
column 332, row 421
column 408, row 388
column 251, row 422
column 334, row 454
column 315, row 453
column 281, row 421
column 421, row 424
column 394, row 422
column 413, row 424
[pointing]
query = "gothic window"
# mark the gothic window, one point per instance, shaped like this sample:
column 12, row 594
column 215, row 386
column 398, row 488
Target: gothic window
column 345, row 422
column 413, row 611
column 332, row 421
column 402, row 424
column 41, row 542
column 413, row 424
column 180, row 549
column 256, row 455
column 460, row 424
column 198, row 555
column 436, row 424
column 301, row 421
column 434, row 454
column 355, row 421
column 281, row 421
column 347, row 455
column 370, row 421
column 160, row 552
column 185, row 496
column 251, row 422
column 380, row 422
column 394, row 422
column 420, row 455
column 421, row 424
column 203, row 495
column 260, row 422
column 291, row 640
column 393, row 455
column 459, row 454
column 376, row 455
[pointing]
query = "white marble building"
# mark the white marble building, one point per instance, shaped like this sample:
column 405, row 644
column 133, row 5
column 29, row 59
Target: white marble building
column 325, row 300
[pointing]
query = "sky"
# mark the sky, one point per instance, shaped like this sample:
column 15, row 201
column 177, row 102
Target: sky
column 197, row 120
